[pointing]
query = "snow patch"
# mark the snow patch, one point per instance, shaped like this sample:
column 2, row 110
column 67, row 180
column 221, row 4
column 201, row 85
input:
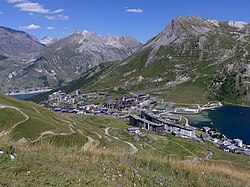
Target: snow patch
column 48, row 40
column 237, row 24
column 80, row 32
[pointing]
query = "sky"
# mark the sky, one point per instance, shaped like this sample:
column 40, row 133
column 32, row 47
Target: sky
column 142, row 19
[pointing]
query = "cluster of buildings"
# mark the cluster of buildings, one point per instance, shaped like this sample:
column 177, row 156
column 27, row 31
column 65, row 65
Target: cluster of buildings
column 157, row 124
column 225, row 144
column 128, row 103
column 74, row 103
column 195, row 109
column 83, row 103
column 152, row 117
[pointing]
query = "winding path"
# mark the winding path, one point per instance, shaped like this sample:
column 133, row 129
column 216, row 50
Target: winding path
column 70, row 124
column 134, row 148
column 16, row 124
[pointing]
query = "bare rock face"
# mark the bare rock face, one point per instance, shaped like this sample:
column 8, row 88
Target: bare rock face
column 15, row 43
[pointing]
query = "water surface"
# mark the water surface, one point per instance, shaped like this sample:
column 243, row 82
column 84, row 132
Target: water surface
column 24, row 96
column 233, row 121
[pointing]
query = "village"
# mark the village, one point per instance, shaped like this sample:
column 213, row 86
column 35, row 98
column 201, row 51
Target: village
column 145, row 113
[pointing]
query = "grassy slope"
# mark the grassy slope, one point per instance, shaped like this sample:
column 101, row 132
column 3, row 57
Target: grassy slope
column 7, row 120
column 40, row 119
column 189, row 92
column 74, row 160
column 86, row 80
column 112, row 78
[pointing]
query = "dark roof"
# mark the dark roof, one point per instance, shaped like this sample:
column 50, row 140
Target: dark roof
column 146, row 121
column 167, row 122
column 110, row 102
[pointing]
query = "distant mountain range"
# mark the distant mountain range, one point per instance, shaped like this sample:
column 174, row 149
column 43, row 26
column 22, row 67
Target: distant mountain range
column 192, row 60
column 26, row 63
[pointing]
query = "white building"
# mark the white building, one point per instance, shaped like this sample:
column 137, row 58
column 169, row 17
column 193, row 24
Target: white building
column 238, row 142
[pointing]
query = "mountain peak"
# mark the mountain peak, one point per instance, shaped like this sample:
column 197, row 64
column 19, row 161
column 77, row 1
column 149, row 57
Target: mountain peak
column 237, row 24
column 80, row 32
column 190, row 18
column 14, row 42
column 48, row 40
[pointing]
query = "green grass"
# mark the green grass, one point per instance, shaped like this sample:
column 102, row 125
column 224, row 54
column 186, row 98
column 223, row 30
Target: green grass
column 86, row 80
column 40, row 119
column 33, row 128
column 188, row 92
column 162, row 159
column 49, row 165
column 74, row 140
column 9, row 117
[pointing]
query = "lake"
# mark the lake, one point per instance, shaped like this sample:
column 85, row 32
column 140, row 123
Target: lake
column 24, row 96
column 233, row 121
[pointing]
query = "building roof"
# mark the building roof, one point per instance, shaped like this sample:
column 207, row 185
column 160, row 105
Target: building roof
column 227, row 143
column 206, row 128
column 232, row 147
column 110, row 102
column 247, row 152
column 170, row 123
column 146, row 121
column 238, row 140
column 163, row 122
column 133, row 129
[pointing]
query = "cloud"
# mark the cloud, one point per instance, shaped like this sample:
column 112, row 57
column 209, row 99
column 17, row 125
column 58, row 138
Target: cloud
column 50, row 28
column 30, row 27
column 57, row 11
column 57, row 17
column 134, row 10
column 1, row 13
column 33, row 7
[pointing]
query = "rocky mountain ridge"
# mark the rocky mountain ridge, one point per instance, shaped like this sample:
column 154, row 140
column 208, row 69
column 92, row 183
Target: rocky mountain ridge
column 63, row 60
column 17, row 43
column 192, row 60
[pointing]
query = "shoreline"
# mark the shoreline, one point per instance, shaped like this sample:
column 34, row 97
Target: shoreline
column 28, row 92
column 233, row 104
column 211, row 125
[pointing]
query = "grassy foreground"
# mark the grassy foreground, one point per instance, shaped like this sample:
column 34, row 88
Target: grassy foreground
column 94, row 151
column 49, row 165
